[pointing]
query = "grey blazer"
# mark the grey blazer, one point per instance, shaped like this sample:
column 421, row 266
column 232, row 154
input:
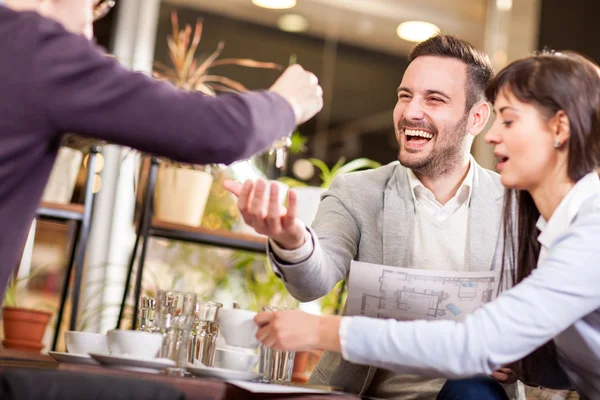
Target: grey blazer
column 369, row 216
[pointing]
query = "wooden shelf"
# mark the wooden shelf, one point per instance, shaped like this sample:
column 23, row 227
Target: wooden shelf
column 62, row 212
column 214, row 237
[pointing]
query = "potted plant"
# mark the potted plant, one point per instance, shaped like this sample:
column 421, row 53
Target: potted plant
column 182, row 190
column 23, row 327
column 310, row 196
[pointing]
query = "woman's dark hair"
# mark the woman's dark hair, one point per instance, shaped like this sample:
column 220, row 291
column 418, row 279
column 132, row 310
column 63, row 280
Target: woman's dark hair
column 551, row 82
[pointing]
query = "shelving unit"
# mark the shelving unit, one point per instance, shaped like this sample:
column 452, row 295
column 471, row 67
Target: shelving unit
column 212, row 237
column 150, row 227
column 81, row 215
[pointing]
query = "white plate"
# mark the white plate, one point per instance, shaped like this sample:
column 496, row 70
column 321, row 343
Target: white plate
column 73, row 358
column 153, row 365
column 227, row 374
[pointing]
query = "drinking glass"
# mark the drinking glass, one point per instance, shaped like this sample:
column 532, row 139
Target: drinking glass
column 275, row 365
column 175, row 316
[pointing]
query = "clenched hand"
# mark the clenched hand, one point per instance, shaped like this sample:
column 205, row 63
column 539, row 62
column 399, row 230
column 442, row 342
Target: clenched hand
column 302, row 90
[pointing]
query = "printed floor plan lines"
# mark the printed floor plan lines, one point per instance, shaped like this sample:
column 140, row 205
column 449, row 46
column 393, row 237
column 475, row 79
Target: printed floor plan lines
column 408, row 294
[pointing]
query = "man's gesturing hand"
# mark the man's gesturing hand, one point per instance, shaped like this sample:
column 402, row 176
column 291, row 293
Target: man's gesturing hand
column 258, row 203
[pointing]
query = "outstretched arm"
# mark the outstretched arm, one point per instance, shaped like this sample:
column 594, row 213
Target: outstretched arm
column 81, row 90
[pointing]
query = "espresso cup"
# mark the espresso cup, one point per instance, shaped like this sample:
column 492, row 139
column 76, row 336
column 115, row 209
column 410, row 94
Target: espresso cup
column 238, row 327
column 86, row 342
column 136, row 344
column 238, row 360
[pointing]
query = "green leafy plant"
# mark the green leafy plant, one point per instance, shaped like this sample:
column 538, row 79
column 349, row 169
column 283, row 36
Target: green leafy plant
column 298, row 143
column 10, row 295
column 261, row 286
column 328, row 174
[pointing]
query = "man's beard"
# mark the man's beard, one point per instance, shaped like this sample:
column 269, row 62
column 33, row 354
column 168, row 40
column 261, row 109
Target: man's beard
column 445, row 155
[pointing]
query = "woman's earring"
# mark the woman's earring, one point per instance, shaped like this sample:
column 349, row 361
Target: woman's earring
column 556, row 143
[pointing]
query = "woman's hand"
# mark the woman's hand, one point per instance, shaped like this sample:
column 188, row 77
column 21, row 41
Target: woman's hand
column 296, row 331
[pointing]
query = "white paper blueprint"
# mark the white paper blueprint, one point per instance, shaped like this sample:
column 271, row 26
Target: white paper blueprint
column 382, row 291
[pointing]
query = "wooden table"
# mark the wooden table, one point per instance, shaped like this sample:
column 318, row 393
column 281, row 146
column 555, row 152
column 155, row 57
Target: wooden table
column 194, row 388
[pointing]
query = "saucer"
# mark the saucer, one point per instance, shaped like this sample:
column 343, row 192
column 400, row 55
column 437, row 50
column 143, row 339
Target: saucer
column 152, row 365
column 221, row 373
column 73, row 358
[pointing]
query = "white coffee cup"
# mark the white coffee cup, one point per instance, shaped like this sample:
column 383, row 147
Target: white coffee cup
column 86, row 342
column 238, row 360
column 238, row 327
column 136, row 344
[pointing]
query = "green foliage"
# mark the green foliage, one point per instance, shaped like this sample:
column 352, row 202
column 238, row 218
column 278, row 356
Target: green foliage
column 327, row 174
column 331, row 302
column 10, row 295
column 11, row 298
column 298, row 143
column 259, row 282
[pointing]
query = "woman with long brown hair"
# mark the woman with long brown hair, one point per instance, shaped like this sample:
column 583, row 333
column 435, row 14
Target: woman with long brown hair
column 546, row 137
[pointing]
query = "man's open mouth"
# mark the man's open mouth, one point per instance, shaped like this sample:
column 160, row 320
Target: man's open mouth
column 417, row 136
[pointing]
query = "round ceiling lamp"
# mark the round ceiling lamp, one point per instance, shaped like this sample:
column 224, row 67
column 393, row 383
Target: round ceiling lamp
column 416, row 31
column 275, row 4
column 292, row 23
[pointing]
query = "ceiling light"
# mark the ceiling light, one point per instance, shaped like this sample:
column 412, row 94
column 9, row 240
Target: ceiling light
column 292, row 23
column 416, row 31
column 504, row 5
column 275, row 4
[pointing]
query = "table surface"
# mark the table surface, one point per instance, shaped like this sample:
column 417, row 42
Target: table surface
column 194, row 388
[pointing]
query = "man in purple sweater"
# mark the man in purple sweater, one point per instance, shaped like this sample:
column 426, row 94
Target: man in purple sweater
column 54, row 81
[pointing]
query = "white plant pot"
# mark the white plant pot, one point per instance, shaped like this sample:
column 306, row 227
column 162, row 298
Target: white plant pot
column 63, row 177
column 308, row 199
column 181, row 195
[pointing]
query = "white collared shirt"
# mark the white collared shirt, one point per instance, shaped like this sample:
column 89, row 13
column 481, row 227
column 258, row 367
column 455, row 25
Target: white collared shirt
column 440, row 234
column 425, row 199
column 565, row 212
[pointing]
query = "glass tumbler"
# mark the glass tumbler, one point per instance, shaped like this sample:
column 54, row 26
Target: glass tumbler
column 175, row 316
column 275, row 365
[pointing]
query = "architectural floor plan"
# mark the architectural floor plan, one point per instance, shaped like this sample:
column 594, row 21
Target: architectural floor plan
column 407, row 294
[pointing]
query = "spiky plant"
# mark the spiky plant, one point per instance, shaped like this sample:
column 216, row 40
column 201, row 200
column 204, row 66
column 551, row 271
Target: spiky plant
column 188, row 73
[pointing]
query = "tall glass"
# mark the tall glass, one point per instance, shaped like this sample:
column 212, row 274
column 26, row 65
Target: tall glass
column 204, row 334
column 175, row 315
column 275, row 365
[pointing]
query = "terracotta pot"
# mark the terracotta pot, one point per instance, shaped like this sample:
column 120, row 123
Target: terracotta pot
column 24, row 329
column 22, row 345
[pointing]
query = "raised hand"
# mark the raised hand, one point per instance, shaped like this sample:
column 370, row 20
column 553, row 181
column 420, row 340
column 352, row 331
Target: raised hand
column 302, row 90
column 258, row 203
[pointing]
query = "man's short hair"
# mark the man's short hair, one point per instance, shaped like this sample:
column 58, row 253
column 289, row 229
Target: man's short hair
column 479, row 67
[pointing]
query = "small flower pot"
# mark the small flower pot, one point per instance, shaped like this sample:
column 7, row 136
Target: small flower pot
column 24, row 329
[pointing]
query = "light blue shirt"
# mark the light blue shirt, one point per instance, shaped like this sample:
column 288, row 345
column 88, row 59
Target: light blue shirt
column 560, row 300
